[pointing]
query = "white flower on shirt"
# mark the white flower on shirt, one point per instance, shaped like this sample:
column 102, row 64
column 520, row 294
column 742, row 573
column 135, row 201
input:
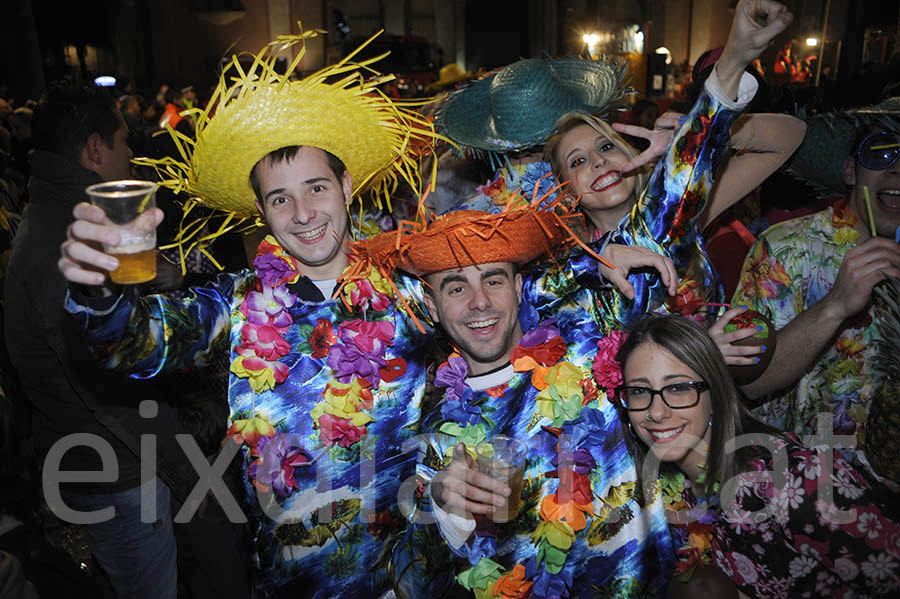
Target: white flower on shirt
column 801, row 566
column 879, row 566
column 846, row 487
column 869, row 525
column 845, row 568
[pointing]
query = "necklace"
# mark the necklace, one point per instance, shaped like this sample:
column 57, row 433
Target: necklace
column 692, row 522
column 354, row 348
column 564, row 390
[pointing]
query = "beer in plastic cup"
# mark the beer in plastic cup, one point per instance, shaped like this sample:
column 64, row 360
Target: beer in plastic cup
column 503, row 458
column 124, row 202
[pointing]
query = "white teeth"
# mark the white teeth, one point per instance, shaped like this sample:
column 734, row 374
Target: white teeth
column 483, row 324
column 311, row 234
column 889, row 199
column 667, row 434
column 607, row 180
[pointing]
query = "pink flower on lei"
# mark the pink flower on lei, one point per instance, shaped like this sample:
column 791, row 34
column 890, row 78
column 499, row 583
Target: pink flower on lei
column 363, row 295
column 371, row 338
column 265, row 341
column 340, row 431
column 607, row 370
column 269, row 306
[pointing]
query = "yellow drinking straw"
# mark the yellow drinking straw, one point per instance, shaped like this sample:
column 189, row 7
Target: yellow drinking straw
column 869, row 210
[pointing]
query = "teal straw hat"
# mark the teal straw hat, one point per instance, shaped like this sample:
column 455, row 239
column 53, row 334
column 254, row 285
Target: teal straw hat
column 517, row 107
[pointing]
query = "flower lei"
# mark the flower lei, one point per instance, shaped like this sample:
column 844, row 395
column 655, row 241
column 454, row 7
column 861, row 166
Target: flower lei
column 355, row 352
column 694, row 537
column 515, row 183
column 563, row 392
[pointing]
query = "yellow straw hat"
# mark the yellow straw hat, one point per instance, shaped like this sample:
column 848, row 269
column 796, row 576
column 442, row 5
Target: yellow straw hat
column 254, row 112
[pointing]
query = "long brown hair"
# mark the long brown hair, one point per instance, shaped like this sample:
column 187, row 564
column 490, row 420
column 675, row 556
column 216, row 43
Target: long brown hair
column 691, row 344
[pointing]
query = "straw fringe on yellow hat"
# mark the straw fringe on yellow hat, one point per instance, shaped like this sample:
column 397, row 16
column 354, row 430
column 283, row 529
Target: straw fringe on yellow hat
column 253, row 113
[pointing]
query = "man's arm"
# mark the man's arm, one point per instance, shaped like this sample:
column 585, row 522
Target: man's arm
column 138, row 335
column 799, row 344
column 142, row 336
column 802, row 340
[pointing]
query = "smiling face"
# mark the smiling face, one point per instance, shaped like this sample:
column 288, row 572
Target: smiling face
column 478, row 306
column 884, row 193
column 305, row 205
column 673, row 435
column 592, row 165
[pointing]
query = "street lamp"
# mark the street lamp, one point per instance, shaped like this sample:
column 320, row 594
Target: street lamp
column 591, row 39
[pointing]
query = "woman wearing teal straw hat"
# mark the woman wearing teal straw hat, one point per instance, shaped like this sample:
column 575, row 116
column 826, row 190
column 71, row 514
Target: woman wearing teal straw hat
column 505, row 118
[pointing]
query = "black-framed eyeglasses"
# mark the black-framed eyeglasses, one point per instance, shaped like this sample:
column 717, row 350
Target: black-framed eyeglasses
column 879, row 151
column 685, row 394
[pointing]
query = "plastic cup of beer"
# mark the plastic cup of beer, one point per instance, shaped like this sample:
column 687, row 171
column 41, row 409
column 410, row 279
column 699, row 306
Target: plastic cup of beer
column 503, row 458
column 124, row 202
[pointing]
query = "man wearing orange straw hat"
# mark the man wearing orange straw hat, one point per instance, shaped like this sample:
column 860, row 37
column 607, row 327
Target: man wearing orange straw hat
column 814, row 276
column 474, row 268
column 323, row 391
column 536, row 363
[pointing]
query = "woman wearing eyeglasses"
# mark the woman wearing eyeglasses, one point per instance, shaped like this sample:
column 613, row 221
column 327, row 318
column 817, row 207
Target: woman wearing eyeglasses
column 772, row 537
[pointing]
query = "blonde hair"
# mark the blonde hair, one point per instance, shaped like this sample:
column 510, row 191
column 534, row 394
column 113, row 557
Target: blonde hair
column 570, row 121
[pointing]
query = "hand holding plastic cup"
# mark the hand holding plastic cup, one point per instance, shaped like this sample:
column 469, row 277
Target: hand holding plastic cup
column 503, row 458
column 124, row 203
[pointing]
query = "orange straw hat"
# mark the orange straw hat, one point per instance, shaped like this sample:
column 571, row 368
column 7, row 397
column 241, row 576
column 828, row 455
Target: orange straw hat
column 522, row 232
column 470, row 237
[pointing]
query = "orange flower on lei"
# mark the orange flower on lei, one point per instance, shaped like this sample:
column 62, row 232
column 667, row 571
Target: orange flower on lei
column 249, row 431
column 571, row 512
column 513, row 584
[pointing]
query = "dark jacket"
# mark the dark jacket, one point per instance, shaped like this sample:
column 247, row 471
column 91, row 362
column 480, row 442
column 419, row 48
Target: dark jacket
column 69, row 392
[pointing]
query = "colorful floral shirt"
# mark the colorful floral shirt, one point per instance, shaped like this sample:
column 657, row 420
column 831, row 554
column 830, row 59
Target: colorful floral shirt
column 792, row 266
column 514, row 182
column 581, row 529
column 787, row 541
column 323, row 396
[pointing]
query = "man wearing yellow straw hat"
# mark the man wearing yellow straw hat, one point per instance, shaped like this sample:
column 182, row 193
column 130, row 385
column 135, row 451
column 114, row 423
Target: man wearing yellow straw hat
column 814, row 277
column 323, row 392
